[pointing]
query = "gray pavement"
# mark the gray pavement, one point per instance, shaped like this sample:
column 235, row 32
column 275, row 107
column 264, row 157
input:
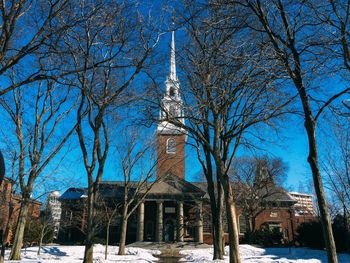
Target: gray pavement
column 169, row 251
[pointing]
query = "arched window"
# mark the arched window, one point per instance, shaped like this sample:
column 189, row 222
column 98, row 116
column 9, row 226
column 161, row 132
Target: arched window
column 171, row 145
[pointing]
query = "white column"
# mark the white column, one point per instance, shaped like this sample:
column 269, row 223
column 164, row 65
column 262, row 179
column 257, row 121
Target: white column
column 199, row 237
column 159, row 232
column 140, row 222
column 180, row 222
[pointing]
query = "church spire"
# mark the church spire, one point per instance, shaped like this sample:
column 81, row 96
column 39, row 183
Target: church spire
column 172, row 58
column 171, row 103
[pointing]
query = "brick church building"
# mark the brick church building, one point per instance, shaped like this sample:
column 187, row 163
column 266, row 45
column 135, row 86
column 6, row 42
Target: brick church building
column 174, row 209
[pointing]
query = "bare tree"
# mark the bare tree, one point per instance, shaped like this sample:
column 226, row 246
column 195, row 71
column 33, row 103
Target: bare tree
column 256, row 181
column 46, row 231
column 28, row 35
column 116, row 35
column 336, row 165
column 111, row 212
column 138, row 164
column 226, row 96
column 293, row 40
column 36, row 139
column 334, row 15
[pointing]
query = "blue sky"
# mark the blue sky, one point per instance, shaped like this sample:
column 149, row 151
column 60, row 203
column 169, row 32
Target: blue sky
column 291, row 146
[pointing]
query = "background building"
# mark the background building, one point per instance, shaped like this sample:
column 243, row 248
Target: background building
column 53, row 207
column 10, row 205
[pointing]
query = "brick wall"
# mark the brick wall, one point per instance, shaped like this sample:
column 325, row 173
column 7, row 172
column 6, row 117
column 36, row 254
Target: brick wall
column 282, row 217
column 10, row 203
column 173, row 163
column 5, row 197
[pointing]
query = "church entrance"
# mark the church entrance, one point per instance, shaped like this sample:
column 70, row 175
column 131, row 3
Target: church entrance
column 169, row 231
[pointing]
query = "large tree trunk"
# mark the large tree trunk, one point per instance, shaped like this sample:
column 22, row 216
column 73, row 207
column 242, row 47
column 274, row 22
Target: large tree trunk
column 216, row 216
column 89, row 247
column 310, row 127
column 19, row 234
column 88, row 253
column 218, row 237
column 231, row 221
column 216, row 207
column 123, row 231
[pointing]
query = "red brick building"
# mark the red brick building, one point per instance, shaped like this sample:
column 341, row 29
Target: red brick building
column 10, row 205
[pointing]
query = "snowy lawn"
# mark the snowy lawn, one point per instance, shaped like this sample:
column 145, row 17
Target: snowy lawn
column 251, row 254
column 72, row 254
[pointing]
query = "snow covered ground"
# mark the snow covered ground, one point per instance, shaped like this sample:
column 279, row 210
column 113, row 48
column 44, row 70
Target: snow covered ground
column 251, row 254
column 75, row 254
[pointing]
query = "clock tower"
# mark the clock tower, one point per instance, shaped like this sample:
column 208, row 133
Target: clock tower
column 171, row 138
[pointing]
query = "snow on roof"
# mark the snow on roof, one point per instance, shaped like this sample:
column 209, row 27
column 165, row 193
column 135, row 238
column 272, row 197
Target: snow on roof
column 301, row 194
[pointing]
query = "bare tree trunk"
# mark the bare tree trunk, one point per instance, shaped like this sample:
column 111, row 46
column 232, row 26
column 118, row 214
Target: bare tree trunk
column 216, row 214
column 218, row 237
column 216, row 204
column 310, row 126
column 42, row 233
column 107, row 238
column 253, row 223
column 123, row 231
column 19, row 234
column 231, row 221
column 89, row 247
column 88, row 253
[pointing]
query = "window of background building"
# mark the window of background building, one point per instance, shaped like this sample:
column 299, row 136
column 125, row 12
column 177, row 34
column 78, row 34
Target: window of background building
column 242, row 224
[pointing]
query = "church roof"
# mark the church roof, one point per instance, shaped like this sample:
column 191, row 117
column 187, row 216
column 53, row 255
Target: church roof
column 169, row 187
column 172, row 186
column 73, row 193
column 270, row 193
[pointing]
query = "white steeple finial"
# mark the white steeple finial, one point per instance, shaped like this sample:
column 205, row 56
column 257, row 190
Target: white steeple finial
column 172, row 58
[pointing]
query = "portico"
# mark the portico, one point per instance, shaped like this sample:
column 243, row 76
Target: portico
column 171, row 213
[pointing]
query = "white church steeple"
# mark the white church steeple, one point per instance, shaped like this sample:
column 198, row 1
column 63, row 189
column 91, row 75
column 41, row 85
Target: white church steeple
column 172, row 58
column 171, row 103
